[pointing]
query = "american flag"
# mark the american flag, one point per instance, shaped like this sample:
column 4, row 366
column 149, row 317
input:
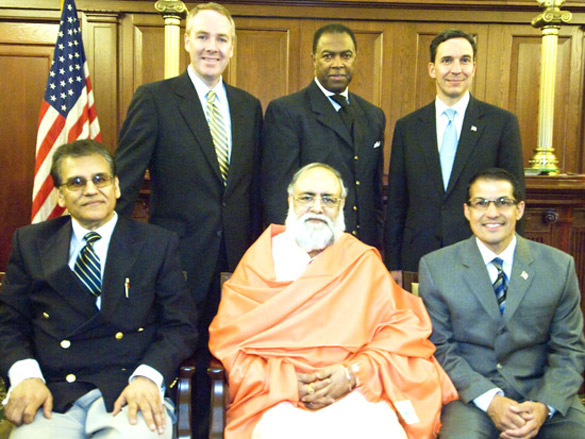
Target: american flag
column 67, row 111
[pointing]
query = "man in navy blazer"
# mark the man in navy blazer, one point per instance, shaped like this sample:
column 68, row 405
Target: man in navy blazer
column 166, row 131
column 79, row 352
column 507, row 324
column 309, row 126
column 425, row 197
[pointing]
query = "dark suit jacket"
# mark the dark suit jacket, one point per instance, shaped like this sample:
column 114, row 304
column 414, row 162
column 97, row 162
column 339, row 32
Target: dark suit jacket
column 166, row 131
column 534, row 351
column 43, row 303
column 303, row 128
column 421, row 216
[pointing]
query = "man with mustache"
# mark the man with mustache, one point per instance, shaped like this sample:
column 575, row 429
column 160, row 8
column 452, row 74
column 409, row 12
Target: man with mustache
column 316, row 338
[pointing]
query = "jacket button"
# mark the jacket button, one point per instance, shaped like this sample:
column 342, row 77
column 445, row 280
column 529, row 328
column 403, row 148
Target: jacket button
column 140, row 329
column 218, row 233
column 45, row 315
column 70, row 378
column 357, row 182
column 354, row 208
column 354, row 232
column 499, row 366
column 355, row 157
column 65, row 344
column 119, row 335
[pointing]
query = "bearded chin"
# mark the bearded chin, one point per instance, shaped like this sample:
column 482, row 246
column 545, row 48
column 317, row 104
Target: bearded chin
column 311, row 235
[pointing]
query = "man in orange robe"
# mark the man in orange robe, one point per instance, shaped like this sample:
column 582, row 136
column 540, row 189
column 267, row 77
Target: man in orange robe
column 311, row 321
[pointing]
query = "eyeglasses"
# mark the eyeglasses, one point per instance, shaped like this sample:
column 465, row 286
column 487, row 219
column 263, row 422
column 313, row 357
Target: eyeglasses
column 500, row 203
column 77, row 184
column 308, row 200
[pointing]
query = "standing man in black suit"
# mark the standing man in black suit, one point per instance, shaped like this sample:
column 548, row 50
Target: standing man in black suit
column 327, row 124
column 199, row 138
column 433, row 158
column 95, row 317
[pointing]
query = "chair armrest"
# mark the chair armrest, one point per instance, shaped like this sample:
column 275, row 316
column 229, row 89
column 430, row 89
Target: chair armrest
column 217, row 376
column 183, row 399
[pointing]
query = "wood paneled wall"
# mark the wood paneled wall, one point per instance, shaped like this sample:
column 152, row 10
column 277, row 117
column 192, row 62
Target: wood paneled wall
column 124, row 46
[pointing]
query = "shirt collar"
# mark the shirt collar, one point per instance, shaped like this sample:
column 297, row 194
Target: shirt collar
column 507, row 255
column 202, row 89
column 328, row 93
column 105, row 231
column 460, row 107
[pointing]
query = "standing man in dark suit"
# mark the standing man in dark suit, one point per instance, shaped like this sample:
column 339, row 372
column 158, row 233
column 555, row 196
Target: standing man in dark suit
column 199, row 138
column 507, row 324
column 327, row 124
column 95, row 317
column 432, row 159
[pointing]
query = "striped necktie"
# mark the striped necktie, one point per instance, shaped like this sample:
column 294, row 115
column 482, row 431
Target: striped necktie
column 448, row 147
column 88, row 267
column 218, row 134
column 500, row 284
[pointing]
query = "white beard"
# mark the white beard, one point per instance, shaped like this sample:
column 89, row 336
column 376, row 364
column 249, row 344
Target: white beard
column 311, row 236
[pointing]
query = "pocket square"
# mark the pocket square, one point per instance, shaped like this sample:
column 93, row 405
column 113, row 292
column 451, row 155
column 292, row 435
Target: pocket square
column 378, row 144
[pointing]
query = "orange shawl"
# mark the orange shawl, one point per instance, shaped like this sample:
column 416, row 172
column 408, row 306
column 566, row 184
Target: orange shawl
column 343, row 309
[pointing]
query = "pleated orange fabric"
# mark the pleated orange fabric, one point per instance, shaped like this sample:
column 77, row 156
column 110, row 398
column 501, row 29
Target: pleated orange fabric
column 343, row 309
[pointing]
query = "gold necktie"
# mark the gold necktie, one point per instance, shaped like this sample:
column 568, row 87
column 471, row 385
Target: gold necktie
column 218, row 134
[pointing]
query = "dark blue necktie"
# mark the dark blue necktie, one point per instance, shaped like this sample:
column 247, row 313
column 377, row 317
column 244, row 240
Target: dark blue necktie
column 88, row 267
column 500, row 284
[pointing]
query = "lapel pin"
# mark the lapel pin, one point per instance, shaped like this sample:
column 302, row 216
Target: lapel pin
column 473, row 128
column 524, row 275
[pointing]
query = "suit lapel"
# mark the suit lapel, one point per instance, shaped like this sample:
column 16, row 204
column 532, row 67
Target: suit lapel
column 54, row 253
column 124, row 250
column 523, row 274
column 477, row 279
column 470, row 134
column 326, row 114
column 192, row 111
column 426, row 131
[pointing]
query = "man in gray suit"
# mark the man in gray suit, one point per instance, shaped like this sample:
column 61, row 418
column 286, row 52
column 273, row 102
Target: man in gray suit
column 506, row 322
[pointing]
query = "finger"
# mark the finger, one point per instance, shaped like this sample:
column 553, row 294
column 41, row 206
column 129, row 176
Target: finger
column 132, row 410
column 120, row 402
column 13, row 414
column 29, row 413
column 305, row 378
column 148, row 416
column 48, row 407
column 159, row 419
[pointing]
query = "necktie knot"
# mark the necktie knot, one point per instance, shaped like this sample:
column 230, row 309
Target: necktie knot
column 450, row 113
column 210, row 97
column 340, row 99
column 91, row 237
column 498, row 263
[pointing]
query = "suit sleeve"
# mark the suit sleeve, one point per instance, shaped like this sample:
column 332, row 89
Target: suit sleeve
column 397, row 204
column 15, row 311
column 510, row 152
column 176, row 316
column 469, row 383
column 136, row 146
column 566, row 349
column 281, row 150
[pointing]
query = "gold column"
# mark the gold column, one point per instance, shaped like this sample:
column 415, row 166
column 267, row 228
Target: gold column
column 544, row 160
column 172, row 12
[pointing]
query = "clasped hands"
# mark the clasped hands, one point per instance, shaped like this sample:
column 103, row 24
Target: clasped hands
column 141, row 394
column 324, row 387
column 517, row 420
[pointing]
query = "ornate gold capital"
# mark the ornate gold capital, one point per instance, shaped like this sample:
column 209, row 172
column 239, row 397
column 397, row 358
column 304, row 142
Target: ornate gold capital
column 171, row 7
column 551, row 14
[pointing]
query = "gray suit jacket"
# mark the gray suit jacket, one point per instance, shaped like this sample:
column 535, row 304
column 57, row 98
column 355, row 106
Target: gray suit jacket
column 535, row 350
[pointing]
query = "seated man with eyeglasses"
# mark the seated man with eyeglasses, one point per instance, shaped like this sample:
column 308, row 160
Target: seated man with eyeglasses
column 507, row 324
column 317, row 339
column 94, row 314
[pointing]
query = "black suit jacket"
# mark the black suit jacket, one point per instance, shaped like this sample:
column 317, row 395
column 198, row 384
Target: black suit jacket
column 303, row 128
column 166, row 131
column 421, row 216
column 42, row 304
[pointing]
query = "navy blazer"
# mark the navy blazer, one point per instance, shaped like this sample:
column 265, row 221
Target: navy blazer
column 47, row 314
column 303, row 128
column 166, row 131
column 420, row 215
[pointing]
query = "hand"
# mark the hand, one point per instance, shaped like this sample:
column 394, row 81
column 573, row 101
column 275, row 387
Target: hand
column 144, row 395
column 397, row 276
column 534, row 413
column 328, row 386
column 503, row 417
column 25, row 400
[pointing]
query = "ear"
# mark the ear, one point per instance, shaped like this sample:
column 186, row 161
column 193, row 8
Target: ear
column 187, row 42
column 466, row 211
column 60, row 198
column 117, row 190
column 521, row 206
column 431, row 70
